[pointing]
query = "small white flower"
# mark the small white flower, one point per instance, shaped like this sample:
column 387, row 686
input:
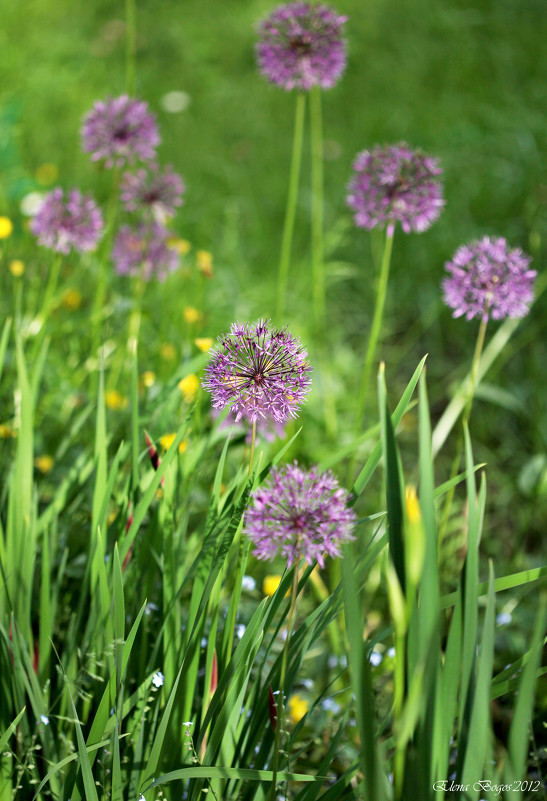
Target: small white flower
column 240, row 630
column 248, row 583
column 158, row 679
column 391, row 652
column 375, row 658
column 204, row 642
column 150, row 607
column 188, row 723
column 44, row 719
column 175, row 102
column 31, row 203
column 504, row 618
column 330, row 705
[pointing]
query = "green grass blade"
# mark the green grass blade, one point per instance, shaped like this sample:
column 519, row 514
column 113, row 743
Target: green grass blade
column 479, row 731
column 374, row 459
column 520, row 725
column 394, row 490
column 361, row 680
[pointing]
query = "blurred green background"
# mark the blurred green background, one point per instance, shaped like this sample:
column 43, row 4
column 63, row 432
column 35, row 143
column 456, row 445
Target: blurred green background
column 463, row 80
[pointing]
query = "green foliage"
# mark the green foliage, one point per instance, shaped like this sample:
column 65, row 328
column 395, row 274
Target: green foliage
column 135, row 659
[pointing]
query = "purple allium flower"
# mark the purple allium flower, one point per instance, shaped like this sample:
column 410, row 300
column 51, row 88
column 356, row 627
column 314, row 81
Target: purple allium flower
column 120, row 130
column 395, row 184
column 261, row 371
column 76, row 223
column 489, row 280
column 302, row 514
column 144, row 251
column 301, row 46
column 155, row 191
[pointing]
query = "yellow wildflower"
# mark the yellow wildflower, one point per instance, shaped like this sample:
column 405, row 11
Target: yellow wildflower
column 204, row 260
column 72, row 299
column 46, row 174
column 270, row 584
column 297, row 708
column 167, row 440
column 6, row 431
column 192, row 315
column 189, row 387
column 44, row 463
column 17, row 268
column 412, row 506
column 204, row 343
column 6, row 227
column 148, row 378
column 168, row 351
column 183, row 446
column 115, row 400
column 182, row 246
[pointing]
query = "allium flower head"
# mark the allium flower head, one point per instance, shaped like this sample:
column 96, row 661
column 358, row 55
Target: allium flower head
column 302, row 514
column 395, row 184
column 61, row 225
column 300, row 45
column 120, row 131
column 260, row 371
column 158, row 192
column 144, row 251
column 487, row 279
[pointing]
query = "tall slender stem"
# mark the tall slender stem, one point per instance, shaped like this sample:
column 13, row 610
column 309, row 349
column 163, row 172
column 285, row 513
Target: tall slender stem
column 465, row 419
column 317, row 244
column 100, row 291
column 376, row 328
column 292, row 197
column 253, row 441
column 475, row 366
column 130, row 46
column 280, row 722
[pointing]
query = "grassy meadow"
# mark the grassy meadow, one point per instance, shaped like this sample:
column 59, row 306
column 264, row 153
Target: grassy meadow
column 145, row 652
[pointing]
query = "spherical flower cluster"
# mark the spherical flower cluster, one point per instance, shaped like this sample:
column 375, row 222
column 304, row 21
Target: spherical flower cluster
column 158, row 192
column 301, row 514
column 300, row 45
column 261, row 372
column 120, row 131
column 487, row 279
column 395, row 184
column 76, row 223
column 144, row 251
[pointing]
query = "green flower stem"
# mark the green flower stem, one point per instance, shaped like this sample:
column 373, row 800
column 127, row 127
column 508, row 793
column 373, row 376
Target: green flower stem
column 317, row 244
column 130, row 46
column 465, row 419
column 375, row 329
column 100, row 292
column 280, row 722
column 373, row 339
column 253, row 441
column 290, row 211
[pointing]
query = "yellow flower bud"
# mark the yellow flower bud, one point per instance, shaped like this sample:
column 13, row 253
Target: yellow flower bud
column 189, row 386
column 204, row 343
column 6, row 227
column 192, row 315
column 115, row 400
column 297, row 708
column 44, row 463
column 17, row 268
